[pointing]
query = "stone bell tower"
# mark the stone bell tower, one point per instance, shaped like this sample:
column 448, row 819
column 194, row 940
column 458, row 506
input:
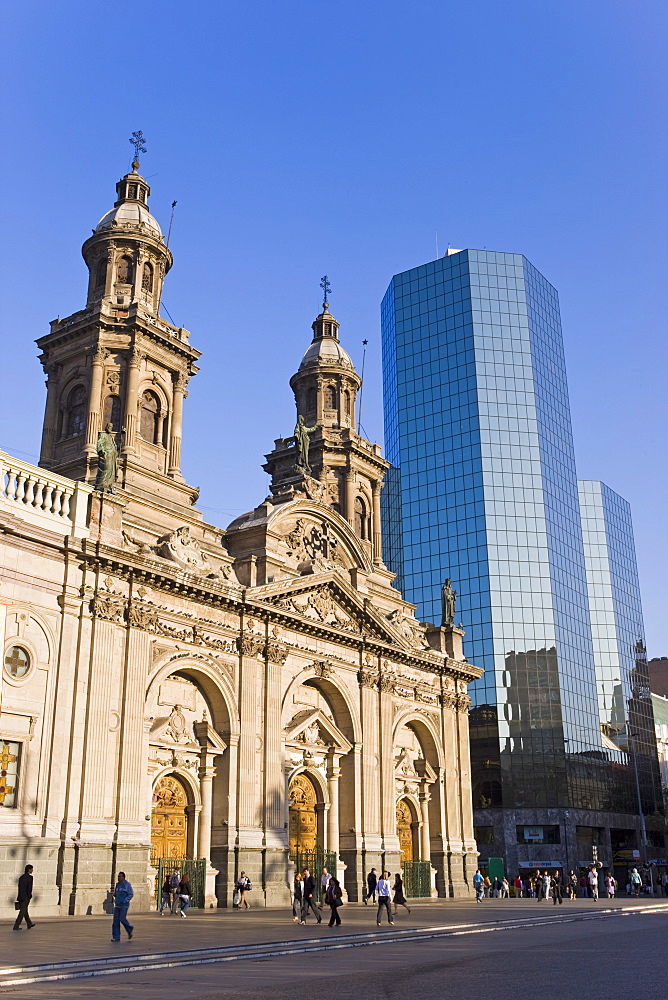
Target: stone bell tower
column 343, row 470
column 117, row 361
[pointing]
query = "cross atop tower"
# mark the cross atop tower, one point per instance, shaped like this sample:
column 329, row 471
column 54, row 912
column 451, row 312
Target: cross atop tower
column 326, row 289
column 137, row 141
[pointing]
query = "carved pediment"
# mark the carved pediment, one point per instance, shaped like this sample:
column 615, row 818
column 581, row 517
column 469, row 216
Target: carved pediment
column 328, row 600
column 312, row 729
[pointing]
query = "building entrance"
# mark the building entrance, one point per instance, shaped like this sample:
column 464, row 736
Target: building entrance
column 303, row 819
column 169, row 820
column 405, row 831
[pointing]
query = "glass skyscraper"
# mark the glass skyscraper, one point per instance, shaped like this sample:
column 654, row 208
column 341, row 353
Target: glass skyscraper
column 483, row 490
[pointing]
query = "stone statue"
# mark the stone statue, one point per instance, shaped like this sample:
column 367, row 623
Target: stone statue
column 303, row 441
column 107, row 460
column 448, row 602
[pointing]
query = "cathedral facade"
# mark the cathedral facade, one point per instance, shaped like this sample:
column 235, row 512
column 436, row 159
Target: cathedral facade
column 247, row 697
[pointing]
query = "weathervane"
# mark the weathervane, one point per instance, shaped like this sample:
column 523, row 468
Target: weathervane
column 326, row 289
column 138, row 141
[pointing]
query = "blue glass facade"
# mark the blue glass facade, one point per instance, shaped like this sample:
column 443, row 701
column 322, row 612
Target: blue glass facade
column 484, row 491
column 615, row 609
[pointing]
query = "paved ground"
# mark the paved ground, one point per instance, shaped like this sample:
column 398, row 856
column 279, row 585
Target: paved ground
column 501, row 949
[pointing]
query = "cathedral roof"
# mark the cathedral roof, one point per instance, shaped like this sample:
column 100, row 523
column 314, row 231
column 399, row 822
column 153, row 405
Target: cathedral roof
column 131, row 213
column 326, row 351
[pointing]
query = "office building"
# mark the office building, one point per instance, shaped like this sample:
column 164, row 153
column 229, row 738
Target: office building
column 484, row 492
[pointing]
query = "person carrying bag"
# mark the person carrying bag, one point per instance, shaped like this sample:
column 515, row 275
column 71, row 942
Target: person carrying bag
column 333, row 898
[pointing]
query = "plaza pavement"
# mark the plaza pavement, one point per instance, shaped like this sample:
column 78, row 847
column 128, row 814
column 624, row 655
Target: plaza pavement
column 75, row 954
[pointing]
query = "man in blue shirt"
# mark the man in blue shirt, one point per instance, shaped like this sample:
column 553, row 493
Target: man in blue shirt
column 123, row 893
column 383, row 888
column 479, row 886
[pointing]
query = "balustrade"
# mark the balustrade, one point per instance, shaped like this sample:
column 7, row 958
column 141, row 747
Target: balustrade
column 44, row 498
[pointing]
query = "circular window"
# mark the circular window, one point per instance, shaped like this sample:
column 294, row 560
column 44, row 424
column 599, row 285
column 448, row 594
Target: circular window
column 17, row 661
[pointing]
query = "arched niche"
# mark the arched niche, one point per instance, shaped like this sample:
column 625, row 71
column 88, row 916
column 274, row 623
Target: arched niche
column 419, row 763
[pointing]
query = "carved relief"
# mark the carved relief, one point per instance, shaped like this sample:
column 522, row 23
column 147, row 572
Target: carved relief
column 109, row 608
column 177, row 726
column 321, row 669
column 367, row 678
column 183, row 549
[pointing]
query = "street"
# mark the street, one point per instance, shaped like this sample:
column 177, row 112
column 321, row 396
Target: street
column 521, row 950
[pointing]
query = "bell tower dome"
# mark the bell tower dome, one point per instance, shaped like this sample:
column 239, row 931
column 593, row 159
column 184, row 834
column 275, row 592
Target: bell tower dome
column 126, row 256
column 118, row 361
column 339, row 467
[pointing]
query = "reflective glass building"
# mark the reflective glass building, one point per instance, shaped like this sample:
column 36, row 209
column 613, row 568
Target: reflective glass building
column 484, row 491
column 615, row 608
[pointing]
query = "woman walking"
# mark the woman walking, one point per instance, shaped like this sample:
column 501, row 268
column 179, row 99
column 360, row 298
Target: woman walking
column 165, row 896
column 399, row 898
column 185, row 892
column 333, row 899
column 297, row 899
column 243, row 886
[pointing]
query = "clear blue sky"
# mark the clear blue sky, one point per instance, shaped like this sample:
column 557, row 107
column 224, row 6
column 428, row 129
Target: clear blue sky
column 308, row 137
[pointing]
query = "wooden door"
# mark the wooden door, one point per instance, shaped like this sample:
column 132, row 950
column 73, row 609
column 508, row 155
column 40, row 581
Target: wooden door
column 303, row 820
column 169, row 821
column 405, row 830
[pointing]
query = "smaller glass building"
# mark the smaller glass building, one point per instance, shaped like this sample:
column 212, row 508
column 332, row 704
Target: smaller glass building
column 615, row 608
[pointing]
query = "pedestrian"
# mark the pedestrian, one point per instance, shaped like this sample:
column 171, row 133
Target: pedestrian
column 487, row 885
column 572, row 886
column 297, row 899
column 308, row 892
column 496, row 887
column 174, row 883
column 165, row 895
column 547, row 884
column 665, row 884
column 371, row 883
column 636, row 882
column 539, row 886
column 610, row 885
column 185, row 894
column 244, row 885
column 333, row 898
column 23, row 897
column 123, row 893
column 555, row 889
column 584, row 887
column 479, row 886
column 592, row 879
column 398, row 889
column 383, row 888
column 518, row 887
column 324, row 882
column 504, row 891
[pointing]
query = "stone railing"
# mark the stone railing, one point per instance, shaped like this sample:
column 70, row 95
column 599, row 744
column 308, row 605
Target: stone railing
column 43, row 498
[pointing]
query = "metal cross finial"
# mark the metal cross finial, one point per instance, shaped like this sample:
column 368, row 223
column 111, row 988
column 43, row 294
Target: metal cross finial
column 326, row 289
column 138, row 141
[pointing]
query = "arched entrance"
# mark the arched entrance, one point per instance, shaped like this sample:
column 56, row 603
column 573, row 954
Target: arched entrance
column 169, row 819
column 406, row 831
column 303, row 818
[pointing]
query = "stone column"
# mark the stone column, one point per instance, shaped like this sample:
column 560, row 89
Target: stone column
column 131, row 399
column 350, row 496
column 50, row 415
column 95, row 400
column 425, row 836
column 377, row 532
column 176, row 428
column 206, row 775
column 333, row 775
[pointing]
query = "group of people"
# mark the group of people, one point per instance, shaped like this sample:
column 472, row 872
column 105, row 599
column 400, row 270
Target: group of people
column 176, row 894
column 305, row 898
column 548, row 885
